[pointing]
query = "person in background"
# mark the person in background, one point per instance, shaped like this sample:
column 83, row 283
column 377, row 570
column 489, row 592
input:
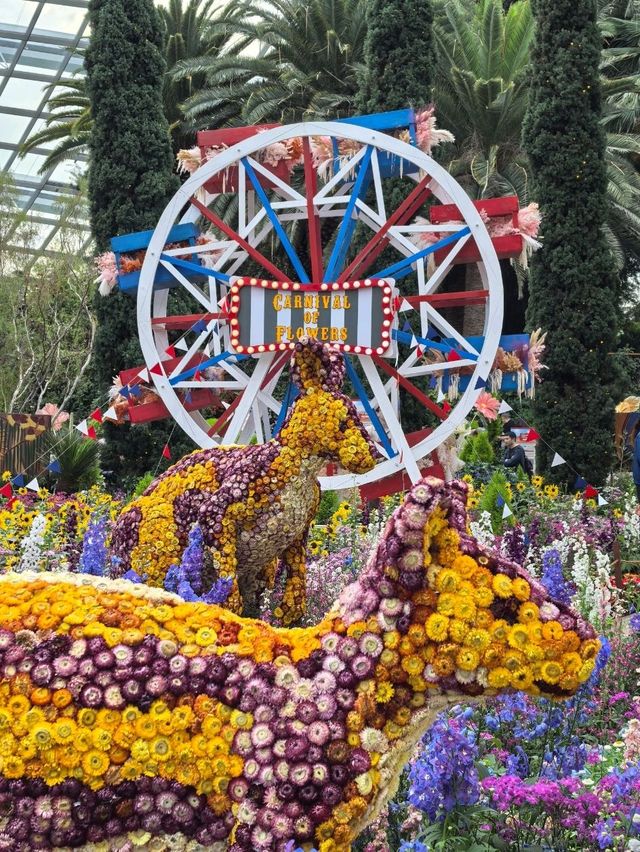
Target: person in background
column 635, row 467
column 514, row 455
column 508, row 423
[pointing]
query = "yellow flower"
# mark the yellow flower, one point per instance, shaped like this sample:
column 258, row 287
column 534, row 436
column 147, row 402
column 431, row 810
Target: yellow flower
column 477, row 639
column 384, row 692
column 551, row 491
column 518, row 636
column 520, row 486
column 447, row 580
column 551, row 671
column 537, row 480
column 467, row 659
column 437, row 627
column 499, row 678
column 464, row 609
column 528, row 613
column 521, row 589
column 95, row 763
column 522, row 678
column 502, row 585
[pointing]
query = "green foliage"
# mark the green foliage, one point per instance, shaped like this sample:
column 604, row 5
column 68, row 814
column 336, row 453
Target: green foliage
column 329, row 502
column 398, row 56
column 477, row 448
column 496, row 492
column 78, row 457
column 143, row 483
column 573, row 286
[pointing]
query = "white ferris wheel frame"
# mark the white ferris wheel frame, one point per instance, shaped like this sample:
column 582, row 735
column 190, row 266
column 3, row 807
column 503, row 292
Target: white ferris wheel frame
column 152, row 302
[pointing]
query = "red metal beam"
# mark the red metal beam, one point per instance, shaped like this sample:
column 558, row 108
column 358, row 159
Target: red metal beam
column 253, row 252
column 459, row 299
column 149, row 411
column 185, row 321
column 313, row 221
column 377, row 243
column 408, row 386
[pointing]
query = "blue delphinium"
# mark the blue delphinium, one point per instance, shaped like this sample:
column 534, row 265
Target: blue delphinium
column 93, row 559
column 553, row 579
column 444, row 775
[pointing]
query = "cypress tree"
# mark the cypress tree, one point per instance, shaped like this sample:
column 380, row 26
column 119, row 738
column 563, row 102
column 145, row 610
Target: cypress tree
column 573, row 287
column 129, row 183
column 399, row 68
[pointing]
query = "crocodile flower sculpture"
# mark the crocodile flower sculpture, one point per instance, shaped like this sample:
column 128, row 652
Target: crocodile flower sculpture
column 254, row 504
column 130, row 718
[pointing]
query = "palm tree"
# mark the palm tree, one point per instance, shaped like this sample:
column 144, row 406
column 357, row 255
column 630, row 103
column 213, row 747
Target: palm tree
column 303, row 64
column 481, row 96
column 194, row 29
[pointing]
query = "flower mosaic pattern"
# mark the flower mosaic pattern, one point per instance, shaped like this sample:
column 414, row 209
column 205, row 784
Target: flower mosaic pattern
column 129, row 716
column 254, row 504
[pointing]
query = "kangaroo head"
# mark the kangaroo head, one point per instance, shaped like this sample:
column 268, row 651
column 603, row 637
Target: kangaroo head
column 480, row 623
column 323, row 421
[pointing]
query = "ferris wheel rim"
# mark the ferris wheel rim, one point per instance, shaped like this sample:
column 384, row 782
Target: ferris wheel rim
column 448, row 190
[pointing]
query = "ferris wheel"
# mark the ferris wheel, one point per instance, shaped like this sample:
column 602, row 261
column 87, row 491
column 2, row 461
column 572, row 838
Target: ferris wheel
column 256, row 250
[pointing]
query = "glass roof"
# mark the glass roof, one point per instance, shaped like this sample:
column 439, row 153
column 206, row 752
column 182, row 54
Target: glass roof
column 39, row 44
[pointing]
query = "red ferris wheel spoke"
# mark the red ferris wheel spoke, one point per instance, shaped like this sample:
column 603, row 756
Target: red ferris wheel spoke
column 400, row 216
column 311, row 183
column 411, row 388
column 184, row 322
column 458, row 299
column 253, row 252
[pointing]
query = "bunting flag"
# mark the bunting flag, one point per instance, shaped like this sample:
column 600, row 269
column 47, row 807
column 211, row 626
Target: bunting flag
column 452, row 355
column 481, row 383
column 407, row 327
column 405, row 306
column 96, row 415
column 188, row 395
column 557, row 460
column 125, row 391
column 182, row 345
column 33, row 485
column 82, row 427
column 602, row 501
column 171, row 351
column 91, row 433
column 506, row 512
column 504, row 407
column 580, row 483
column 6, row 490
column 441, row 396
column 414, row 342
column 157, row 369
column 532, row 435
column 135, row 390
column 18, row 480
column 110, row 414
column 143, row 375
column 446, row 407
column 590, row 491
column 54, row 466
column 499, row 500
column 166, row 452
column 11, row 503
column 199, row 326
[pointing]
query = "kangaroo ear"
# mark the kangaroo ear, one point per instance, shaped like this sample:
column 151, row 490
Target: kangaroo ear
column 315, row 365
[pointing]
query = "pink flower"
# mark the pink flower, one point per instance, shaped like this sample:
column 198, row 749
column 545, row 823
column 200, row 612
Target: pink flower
column 188, row 160
column 529, row 220
column 428, row 135
column 108, row 272
column 487, row 405
column 57, row 417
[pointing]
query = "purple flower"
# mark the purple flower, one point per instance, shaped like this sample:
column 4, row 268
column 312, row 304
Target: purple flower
column 93, row 558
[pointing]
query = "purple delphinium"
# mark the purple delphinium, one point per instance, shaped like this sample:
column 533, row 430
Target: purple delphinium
column 93, row 558
column 514, row 544
column 444, row 774
column 634, row 621
column 186, row 579
column 71, row 546
column 553, row 579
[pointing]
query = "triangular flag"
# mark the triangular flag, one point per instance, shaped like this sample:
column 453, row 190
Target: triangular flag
column 125, row 391
column 6, row 490
column 432, row 333
column 452, row 355
column 110, row 414
column 414, row 342
column 504, row 407
column 182, row 345
column 481, row 383
column 405, row 306
column 580, row 483
column 407, row 327
column 166, row 452
column 188, row 396
column 557, row 459
column 532, row 435
column 33, row 485
column 396, row 304
column 171, row 351
column 419, row 352
column 91, row 433
column 441, row 396
column 506, row 512
column 135, row 390
column 197, row 376
column 156, row 369
column 590, row 491
column 82, row 427
column 18, row 480
column 143, row 375
column 11, row 504
column 224, row 308
column 446, row 407
column 199, row 326
column 499, row 500
column 96, row 415
column 602, row 501
column 55, row 467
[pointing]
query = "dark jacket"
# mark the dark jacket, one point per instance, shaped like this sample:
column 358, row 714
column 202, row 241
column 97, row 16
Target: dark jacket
column 514, row 457
column 636, row 460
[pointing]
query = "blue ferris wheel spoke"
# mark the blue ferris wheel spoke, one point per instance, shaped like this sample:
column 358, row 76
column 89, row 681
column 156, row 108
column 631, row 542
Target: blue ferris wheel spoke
column 403, row 267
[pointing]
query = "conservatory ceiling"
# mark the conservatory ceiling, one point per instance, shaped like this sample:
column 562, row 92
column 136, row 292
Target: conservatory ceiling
column 39, row 44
